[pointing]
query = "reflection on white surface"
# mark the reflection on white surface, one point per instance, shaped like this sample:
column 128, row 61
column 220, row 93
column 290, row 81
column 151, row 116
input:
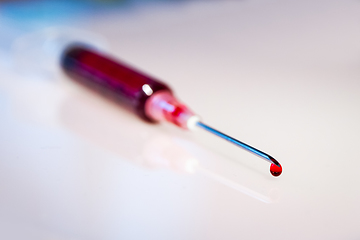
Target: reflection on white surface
column 116, row 130
column 237, row 186
column 56, row 186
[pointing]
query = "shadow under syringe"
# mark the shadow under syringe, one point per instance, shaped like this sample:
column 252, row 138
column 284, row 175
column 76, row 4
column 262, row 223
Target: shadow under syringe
column 114, row 129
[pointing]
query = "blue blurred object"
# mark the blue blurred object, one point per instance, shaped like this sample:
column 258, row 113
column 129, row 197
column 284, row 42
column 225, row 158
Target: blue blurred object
column 47, row 11
column 51, row 9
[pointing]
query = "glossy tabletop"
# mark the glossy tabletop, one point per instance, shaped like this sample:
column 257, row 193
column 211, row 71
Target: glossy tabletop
column 282, row 76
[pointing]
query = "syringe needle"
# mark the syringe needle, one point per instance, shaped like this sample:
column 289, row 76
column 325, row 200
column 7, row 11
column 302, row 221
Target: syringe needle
column 275, row 167
column 149, row 98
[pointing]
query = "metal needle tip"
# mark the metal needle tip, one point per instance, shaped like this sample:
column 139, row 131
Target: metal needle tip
column 245, row 146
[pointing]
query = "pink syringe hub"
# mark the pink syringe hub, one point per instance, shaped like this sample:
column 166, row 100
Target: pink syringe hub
column 163, row 106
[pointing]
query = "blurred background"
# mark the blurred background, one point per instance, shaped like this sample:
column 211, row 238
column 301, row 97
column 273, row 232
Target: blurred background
column 282, row 76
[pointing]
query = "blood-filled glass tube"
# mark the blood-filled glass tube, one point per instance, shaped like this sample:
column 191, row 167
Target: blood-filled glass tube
column 149, row 98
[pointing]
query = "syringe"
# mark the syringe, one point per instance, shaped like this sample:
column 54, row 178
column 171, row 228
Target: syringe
column 149, row 98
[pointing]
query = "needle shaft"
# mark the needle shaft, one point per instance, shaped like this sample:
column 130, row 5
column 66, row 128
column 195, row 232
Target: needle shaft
column 245, row 146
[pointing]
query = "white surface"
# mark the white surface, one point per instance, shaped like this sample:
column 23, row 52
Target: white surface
column 282, row 76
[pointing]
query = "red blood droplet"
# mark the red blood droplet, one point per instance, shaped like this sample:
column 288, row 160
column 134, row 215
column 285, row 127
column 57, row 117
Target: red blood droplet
column 275, row 170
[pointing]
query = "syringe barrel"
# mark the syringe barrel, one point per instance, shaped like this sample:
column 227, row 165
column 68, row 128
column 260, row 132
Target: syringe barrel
column 112, row 78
